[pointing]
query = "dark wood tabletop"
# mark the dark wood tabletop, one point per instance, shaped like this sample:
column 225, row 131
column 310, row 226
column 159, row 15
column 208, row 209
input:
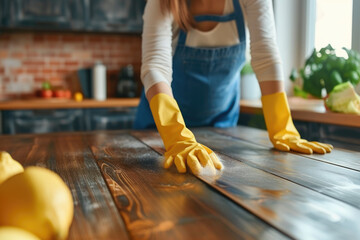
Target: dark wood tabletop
column 121, row 191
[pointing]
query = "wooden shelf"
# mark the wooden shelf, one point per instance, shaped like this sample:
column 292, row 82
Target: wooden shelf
column 54, row 103
column 309, row 110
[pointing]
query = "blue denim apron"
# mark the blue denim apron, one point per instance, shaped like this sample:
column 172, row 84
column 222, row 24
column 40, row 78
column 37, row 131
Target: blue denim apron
column 206, row 81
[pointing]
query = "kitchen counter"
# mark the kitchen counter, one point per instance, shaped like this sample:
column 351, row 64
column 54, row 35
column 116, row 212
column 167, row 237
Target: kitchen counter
column 58, row 103
column 310, row 110
column 121, row 191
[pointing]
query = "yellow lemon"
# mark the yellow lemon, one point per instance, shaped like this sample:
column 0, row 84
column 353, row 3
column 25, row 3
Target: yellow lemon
column 8, row 166
column 37, row 200
column 78, row 96
column 13, row 233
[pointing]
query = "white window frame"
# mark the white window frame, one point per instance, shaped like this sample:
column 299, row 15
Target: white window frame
column 356, row 26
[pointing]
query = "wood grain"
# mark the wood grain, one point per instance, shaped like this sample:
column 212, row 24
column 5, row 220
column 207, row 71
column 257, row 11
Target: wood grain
column 290, row 207
column 95, row 214
column 160, row 204
column 337, row 182
column 121, row 191
column 340, row 157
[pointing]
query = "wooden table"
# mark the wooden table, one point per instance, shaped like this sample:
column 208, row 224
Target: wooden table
column 121, row 191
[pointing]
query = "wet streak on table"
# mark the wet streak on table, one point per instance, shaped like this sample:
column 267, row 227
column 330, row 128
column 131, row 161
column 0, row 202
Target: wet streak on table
column 121, row 190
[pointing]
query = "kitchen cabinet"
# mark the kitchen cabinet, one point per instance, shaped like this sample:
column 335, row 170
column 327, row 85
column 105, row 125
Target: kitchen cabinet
column 73, row 15
column 121, row 190
column 46, row 14
column 3, row 10
column 114, row 113
column 65, row 120
column 109, row 118
column 42, row 121
column 115, row 15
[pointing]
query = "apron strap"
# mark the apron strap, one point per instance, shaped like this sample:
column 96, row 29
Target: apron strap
column 237, row 15
column 240, row 23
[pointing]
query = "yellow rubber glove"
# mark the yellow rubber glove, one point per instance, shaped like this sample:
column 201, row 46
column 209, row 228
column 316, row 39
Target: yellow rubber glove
column 180, row 143
column 281, row 129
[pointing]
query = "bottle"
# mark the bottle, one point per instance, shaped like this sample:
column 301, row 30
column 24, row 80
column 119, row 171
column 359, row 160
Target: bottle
column 99, row 81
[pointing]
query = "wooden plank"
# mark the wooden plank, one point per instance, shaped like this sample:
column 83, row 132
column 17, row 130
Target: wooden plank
column 299, row 211
column 334, row 181
column 340, row 157
column 95, row 214
column 160, row 204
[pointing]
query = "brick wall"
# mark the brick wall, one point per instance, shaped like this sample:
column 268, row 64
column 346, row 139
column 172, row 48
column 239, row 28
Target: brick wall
column 28, row 59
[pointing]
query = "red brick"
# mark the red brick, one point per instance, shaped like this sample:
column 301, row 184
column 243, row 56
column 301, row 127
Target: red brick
column 114, row 56
column 17, row 55
column 62, row 71
column 32, row 70
column 32, row 54
column 107, row 47
column 3, row 54
column 53, row 38
column 48, row 53
column 95, row 39
column 38, row 38
column 6, row 79
column 4, row 36
column 80, row 55
column 39, row 78
column 71, row 63
column 48, row 70
column 86, row 64
column 55, row 62
column 64, row 55
column 112, row 39
column 18, row 71
column 33, row 62
column 56, row 80
column 98, row 55
column 72, row 38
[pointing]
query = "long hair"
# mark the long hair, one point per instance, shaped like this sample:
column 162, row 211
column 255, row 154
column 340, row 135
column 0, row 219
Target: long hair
column 180, row 11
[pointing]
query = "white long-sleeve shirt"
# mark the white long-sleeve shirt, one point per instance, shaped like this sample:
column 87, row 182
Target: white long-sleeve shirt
column 160, row 36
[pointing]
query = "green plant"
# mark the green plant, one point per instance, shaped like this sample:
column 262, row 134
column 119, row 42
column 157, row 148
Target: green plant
column 247, row 69
column 324, row 70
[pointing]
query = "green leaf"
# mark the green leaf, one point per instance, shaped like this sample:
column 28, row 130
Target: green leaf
column 46, row 86
column 294, row 75
column 300, row 93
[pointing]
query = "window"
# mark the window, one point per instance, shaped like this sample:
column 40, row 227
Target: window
column 333, row 24
column 300, row 28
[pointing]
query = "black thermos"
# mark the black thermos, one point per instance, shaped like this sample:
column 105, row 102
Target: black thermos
column 126, row 87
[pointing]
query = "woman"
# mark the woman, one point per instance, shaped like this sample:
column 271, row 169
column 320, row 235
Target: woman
column 192, row 55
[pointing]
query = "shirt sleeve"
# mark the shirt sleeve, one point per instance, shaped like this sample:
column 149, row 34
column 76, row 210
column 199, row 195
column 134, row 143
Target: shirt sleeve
column 156, row 46
column 265, row 57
